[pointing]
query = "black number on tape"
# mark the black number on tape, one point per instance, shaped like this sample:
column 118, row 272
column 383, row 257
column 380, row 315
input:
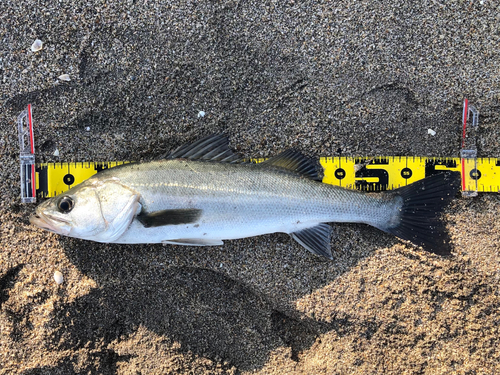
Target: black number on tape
column 69, row 179
column 339, row 173
column 381, row 174
column 475, row 174
column 406, row 173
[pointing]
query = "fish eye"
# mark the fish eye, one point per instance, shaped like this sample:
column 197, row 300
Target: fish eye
column 65, row 205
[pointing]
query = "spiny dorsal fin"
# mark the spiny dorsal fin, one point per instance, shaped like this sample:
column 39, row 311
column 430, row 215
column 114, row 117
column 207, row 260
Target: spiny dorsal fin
column 295, row 161
column 213, row 147
column 316, row 239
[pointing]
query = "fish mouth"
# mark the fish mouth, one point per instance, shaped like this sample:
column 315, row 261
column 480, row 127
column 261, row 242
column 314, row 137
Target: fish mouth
column 51, row 223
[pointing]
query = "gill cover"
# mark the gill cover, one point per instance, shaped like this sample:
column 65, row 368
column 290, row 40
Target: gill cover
column 118, row 205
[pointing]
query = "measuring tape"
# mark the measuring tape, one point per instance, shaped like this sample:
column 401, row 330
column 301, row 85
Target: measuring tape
column 392, row 172
column 55, row 178
column 362, row 173
column 45, row 180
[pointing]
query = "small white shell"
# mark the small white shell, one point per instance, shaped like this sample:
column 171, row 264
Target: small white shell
column 201, row 114
column 37, row 45
column 58, row 277
column 64, row 77
column 431, row 132
column 56, row 152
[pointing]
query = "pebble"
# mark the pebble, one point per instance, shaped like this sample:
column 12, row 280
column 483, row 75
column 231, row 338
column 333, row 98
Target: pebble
column 58, row 277
column 37, row 45
column 64, row 77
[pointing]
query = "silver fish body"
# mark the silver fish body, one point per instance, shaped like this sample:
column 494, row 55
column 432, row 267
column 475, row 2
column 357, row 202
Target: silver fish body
column 242, row 200
column 198, row 196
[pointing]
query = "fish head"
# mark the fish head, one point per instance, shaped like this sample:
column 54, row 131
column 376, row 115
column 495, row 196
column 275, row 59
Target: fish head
column 94, row 210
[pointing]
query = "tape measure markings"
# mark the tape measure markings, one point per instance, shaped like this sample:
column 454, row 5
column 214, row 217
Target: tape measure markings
column 56, row 178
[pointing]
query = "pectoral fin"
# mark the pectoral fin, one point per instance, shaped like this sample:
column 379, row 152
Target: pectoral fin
column 193, row 242
column 315, row 239
column 169, row 217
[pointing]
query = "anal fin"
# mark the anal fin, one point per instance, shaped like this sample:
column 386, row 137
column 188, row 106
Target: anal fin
column 193, row 242
column 316, row 239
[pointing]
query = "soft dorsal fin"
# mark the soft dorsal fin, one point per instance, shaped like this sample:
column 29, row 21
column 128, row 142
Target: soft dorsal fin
column 295, row 161
column 214, row 148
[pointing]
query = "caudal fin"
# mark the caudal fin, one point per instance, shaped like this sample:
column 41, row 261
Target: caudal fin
column 420, row 216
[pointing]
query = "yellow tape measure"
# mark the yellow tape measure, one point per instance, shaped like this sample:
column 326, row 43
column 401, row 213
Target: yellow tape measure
column 362, row 173
column 55, row 178
column 391, row 172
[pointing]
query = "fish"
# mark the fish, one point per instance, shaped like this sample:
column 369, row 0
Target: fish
column 202, row 194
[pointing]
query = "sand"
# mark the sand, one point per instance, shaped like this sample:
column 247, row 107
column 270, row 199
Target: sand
column 355, row 77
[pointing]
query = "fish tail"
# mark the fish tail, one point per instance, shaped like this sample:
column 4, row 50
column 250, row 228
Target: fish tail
column 419, row 217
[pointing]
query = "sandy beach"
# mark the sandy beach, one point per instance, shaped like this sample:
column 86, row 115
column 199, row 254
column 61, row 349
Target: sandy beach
column 327, row 78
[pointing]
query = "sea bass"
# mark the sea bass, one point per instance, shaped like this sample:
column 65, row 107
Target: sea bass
column 201, row 194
